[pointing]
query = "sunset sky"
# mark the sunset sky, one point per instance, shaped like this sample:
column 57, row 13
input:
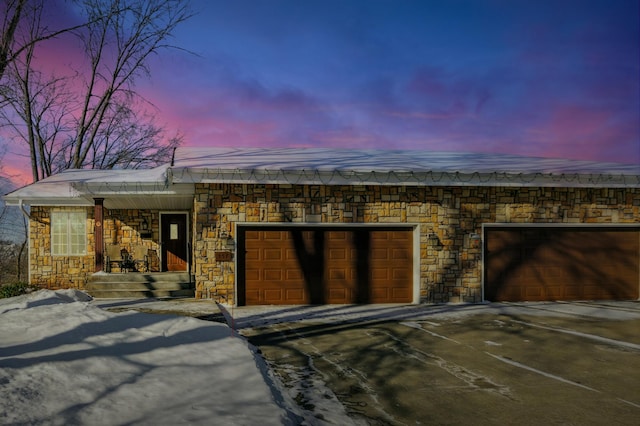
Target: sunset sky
column 552, row 78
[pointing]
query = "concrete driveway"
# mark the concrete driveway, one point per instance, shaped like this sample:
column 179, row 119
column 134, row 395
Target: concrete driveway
column 533, row 363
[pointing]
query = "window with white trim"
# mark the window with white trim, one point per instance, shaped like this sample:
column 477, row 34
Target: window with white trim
column 68, row 233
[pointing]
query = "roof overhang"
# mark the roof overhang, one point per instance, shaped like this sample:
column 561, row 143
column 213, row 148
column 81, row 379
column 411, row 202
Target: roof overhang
column 173, row 197
column 326, row 166
column 119, row 189
column 429, row 178
column 172, row 187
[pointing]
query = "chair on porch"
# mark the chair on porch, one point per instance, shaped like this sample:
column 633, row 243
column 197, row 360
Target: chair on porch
column 140, row 258
column 115, row 255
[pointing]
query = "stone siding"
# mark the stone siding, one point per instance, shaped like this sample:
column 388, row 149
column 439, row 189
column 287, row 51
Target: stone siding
column 124, row 227
column 120, row 227
column 447, row 217
column 53, row 272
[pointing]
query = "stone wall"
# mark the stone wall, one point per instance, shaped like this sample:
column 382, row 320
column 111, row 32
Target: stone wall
column 55, row 272
column 447, row 217
column 450, row 256
column 123, row 227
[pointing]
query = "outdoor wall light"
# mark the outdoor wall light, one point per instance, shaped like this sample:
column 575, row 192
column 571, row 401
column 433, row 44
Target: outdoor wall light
column 145, row 224
column 474, row 240
column 230, row 244
column 433, row 239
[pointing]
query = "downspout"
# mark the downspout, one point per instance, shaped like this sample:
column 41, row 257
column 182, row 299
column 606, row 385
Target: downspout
column 23, row 210
column 28, row 217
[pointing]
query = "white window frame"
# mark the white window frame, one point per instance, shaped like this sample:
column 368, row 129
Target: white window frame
column 69, row 233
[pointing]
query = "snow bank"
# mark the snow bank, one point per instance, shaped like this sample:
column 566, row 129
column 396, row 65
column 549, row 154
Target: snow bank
column 64, row 361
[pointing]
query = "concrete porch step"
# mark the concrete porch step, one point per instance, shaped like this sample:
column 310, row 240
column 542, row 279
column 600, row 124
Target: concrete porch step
column 140, row 277
column 128, row 285
column 141, row 294
column 140, row 285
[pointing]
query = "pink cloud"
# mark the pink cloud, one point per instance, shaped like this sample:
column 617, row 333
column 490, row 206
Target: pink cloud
column 571, row 122
column 584, row 133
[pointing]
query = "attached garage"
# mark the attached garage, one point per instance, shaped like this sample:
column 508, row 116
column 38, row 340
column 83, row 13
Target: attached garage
column 286, row 265
column 547, row 263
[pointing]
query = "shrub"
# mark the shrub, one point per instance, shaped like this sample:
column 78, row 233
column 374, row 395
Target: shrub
column 14, row 289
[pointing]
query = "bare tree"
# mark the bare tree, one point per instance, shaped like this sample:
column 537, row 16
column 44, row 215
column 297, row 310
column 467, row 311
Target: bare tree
column 119, row 46
column 13, row 236
column 12, row 12
column 15, row 12
column 36, row 111
column 92, row 116
column 128, row 139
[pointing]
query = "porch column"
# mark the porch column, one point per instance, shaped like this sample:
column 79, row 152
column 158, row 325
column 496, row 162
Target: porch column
column 99, row 233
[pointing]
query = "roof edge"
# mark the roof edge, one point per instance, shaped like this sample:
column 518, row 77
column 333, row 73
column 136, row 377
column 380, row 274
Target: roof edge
column 338, row 177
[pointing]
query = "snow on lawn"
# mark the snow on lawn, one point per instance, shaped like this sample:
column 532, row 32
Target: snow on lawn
column 65, row 361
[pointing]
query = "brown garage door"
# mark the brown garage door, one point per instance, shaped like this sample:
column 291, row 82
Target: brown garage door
column 575, row 263
column 299, row 265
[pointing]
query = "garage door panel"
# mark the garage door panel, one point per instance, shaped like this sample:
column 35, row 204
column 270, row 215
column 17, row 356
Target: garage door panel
column 252, row 297
column 554, row 292
column 338, row 274
column 272, row 254
column 253, row 254
column 571, row 291
column 272, row 295
column 400, row 254
column 400, row 293
column 294, row 275
column 400, row 274
column 358, row 265
column 273, row 236
column 379, row 273
column 400, row 236
column 338, row 254
column 562, row 264
column 379, row 295
column 253, row 274
column 338, row 235
column 290, row 254
column 591, row 292
column 252, row 235
column 273, row 274
column 295, row 295
column 379, row 254
column 337, row 295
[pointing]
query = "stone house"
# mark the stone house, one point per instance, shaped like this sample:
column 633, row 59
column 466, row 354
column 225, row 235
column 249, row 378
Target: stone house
column 298, row 226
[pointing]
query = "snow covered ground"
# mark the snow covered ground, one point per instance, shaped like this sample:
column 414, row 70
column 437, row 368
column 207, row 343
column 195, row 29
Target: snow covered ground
column 65, row 361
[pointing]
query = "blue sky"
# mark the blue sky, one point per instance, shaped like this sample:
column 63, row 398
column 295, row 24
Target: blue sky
column 551, row 78
column 545, row 78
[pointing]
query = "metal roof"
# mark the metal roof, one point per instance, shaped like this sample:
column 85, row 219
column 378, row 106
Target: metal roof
column 146, row 188
column 171, row 186
column 379, row 167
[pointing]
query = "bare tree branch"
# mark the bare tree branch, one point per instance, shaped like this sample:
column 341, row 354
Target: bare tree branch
column 119, row 46
column 92, row 117
column 13, row 14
